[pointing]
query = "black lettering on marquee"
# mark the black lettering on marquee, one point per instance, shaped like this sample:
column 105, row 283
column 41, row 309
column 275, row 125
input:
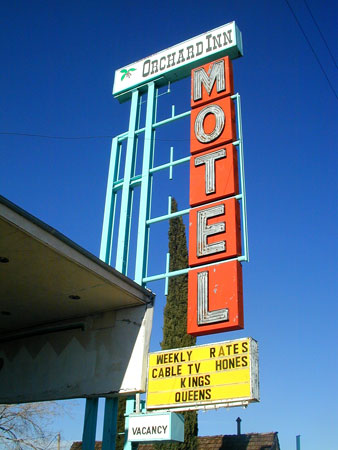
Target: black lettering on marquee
column 208, row 38
column 244, row 347
column 231, row 363
column 217, row 40
column 176, row 357
column 196, row 381
column 190, row 52
column 146, row 68
column 154, row 66
column 227, row 37
column 193, row 395
column 171, row 59
column 168, row 371
column 162, row 63
column 180, row 56
column 199, row 48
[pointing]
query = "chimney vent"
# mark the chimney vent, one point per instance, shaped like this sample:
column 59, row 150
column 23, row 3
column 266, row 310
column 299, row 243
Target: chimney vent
column 238, row 420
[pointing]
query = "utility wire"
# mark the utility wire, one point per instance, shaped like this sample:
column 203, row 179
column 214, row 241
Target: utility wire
column 312, row 49
column 320, row 32
column 54, row 137
column 5, row 133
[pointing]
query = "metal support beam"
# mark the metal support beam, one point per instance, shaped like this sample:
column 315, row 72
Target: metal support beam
column 89, row 426
column 130, row 408
column 145, row 197
column 109, row 209
column 298, row 442
column 237, row 97
column 110, row 424
column 127, row 194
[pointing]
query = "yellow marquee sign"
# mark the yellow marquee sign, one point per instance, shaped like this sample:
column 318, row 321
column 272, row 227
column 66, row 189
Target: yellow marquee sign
column 221, row 374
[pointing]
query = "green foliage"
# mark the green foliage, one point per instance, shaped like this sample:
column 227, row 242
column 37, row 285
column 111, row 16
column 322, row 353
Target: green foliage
column 120, row 423
column 175, row 312
column 175, row 319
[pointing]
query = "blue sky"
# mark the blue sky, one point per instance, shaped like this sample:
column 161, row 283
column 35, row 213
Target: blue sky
column 58, row 62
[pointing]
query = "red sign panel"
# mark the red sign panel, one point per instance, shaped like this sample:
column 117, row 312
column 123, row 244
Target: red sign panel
column 213, row 175
column 212, row 125
column 214, row 232
column 215, row 299
column 212, row 81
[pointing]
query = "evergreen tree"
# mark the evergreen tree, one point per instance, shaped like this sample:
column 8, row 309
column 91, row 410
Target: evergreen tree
column 120, row 423
column 174, row 327
column 175, row 318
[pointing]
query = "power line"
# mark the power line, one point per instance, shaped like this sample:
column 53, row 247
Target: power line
column 320, row 32
column 312, row 49
column 55, row 137
column 5, row 133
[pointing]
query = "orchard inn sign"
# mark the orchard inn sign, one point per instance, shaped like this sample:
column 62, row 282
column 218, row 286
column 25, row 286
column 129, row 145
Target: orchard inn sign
column 226, row 373
column 176, row 62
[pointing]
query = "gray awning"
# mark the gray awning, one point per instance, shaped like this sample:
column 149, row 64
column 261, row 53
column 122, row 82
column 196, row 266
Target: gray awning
column 46, row 278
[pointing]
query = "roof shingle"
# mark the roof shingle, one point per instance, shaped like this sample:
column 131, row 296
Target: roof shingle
column 250, row 441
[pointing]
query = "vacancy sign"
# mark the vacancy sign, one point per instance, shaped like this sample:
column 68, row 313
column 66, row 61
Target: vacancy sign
column 153, row 427
column 221, row 374
column 215, row 297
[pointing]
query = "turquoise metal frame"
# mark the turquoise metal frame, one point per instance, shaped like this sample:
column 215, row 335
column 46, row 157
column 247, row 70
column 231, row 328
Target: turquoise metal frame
column 144, row 180
column 127, row 184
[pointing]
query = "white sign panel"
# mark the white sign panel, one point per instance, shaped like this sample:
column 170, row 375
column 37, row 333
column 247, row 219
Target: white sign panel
column 176, row 62
column 156, row 427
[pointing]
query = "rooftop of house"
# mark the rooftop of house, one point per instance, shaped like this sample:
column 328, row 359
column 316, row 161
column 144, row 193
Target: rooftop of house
column 249, row 441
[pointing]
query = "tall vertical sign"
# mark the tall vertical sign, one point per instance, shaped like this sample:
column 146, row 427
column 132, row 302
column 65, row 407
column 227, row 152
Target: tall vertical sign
column 215, row 298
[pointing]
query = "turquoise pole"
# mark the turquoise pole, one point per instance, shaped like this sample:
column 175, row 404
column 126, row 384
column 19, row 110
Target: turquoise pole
column 242, row 176
column 144, row 210
column 110, row 424
column 126, row 201
column 130, row 408
column 109, row 209
column 89, row 426
column 298, row 442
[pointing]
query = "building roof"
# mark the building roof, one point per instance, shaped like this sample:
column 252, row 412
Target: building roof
column 78, row 446
column 250, row 441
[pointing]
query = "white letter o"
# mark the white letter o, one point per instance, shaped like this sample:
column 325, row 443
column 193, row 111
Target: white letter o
column 200, row 134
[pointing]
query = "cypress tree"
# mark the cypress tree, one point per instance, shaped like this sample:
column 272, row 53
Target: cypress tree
column 120, row 423
column 174, row 327
column 175, row 318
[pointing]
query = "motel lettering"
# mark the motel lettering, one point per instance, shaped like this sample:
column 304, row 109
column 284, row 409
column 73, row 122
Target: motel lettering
column 214, row 234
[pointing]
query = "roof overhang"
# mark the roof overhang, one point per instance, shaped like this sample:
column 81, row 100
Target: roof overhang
column 47, row 278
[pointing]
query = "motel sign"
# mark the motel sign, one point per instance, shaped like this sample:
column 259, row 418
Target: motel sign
column 215, row 298
column 223, row 374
